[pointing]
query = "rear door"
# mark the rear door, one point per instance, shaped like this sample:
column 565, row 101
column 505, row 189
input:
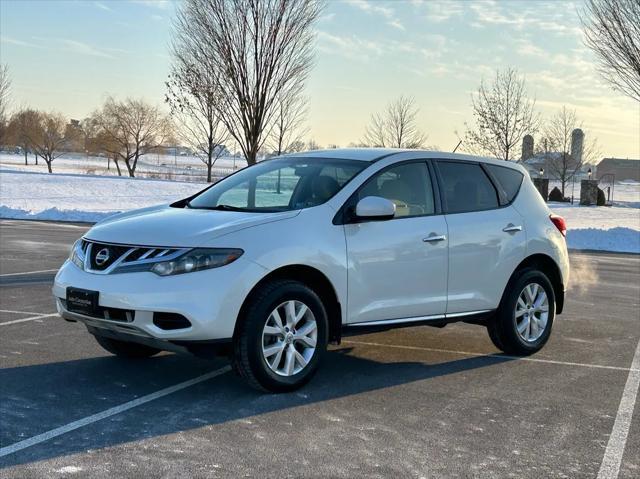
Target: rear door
column 486, row 235
column 397, row 268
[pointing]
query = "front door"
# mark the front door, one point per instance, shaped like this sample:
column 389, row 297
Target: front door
column 397, row 268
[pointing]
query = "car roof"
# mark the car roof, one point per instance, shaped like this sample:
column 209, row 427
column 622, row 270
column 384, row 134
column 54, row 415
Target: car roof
column 375, row 154
column 362, row 154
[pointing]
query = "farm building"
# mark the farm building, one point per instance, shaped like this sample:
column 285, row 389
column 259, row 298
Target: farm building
column 620, row 168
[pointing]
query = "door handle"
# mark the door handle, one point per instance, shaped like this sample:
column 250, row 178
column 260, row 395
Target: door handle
column 511, row 228
column 432, row 238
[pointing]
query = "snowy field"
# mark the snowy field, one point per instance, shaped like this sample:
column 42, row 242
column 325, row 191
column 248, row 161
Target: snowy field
column 181, row 168
column 26, row 194
column 62, row 197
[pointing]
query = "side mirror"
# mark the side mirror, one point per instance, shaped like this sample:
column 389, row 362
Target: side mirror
column 375, row 208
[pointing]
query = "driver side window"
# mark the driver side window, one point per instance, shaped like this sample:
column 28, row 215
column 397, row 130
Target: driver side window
column 407, row 185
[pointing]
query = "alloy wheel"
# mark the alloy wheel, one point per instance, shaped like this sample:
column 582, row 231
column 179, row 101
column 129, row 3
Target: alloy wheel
column 289, row 338
column 532, row 312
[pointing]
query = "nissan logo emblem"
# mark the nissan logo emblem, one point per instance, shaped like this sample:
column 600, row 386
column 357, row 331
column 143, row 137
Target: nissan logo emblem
column 102, row 256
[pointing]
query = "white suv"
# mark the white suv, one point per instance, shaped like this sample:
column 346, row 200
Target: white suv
column 279, row 259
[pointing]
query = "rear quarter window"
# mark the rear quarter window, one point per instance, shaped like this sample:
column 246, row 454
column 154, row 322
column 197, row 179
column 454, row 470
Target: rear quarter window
column 466, row 187
column 509, row 180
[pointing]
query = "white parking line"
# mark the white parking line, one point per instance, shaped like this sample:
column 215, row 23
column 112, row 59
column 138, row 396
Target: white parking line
column 498, row 356
column 610, row 467
column 32, row 318
column 45, row 436
column 27, row 272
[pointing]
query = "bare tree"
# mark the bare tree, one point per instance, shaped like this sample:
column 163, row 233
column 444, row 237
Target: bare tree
column 193, row 95
column 396, row 127
column 288, row 127
column 612, row 31
column 22, row 124
column 298, row 146
column 5, row 92
column 255, row 49
column 502, row 115
column 563, row 147
column 46, row 136
column 130, row 129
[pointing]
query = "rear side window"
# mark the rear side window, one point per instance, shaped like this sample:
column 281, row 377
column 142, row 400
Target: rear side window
column 466, row 187
column 509, row 180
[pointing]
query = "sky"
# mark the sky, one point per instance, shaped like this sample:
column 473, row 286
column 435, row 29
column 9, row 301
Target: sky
column 67, row 56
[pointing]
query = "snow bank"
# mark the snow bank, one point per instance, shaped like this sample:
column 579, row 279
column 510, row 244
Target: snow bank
column 614, row 228
column 54, row 214
column 623, row 240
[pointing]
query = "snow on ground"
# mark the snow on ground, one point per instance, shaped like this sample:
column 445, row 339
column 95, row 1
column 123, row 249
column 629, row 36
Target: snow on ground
column 28, row 195
column 182, row 168
column 81, row 197
column 614, row 228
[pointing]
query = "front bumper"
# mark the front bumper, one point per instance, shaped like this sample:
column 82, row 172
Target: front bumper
column 209, row 299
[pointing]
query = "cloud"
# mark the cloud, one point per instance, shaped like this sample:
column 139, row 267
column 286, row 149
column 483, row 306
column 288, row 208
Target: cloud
column 328, row 17
column 529, row 49
column 440, row 11
column 545, row 16
column 64, row 44
column 81, row 48
column 396, row 24
column 17, row 42
column 161, row 4
column 102, row 6
column 349, row 46
column 157, row 18
column 372, row 7
column 429, row 47
column 380, row 9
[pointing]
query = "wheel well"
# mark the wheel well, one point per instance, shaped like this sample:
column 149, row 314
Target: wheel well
column 549, row 267
column 318, row 282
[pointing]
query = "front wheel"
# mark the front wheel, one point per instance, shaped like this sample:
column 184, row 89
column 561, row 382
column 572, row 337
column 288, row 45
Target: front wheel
column 522, row 324
column 281, row 337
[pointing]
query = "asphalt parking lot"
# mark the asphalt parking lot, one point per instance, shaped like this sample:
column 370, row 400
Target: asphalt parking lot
column 415, row 402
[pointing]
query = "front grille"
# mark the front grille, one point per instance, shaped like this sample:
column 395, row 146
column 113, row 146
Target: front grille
column 106, row 257
column 111, row 314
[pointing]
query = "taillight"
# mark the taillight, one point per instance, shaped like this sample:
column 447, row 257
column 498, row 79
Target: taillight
column 560, row 223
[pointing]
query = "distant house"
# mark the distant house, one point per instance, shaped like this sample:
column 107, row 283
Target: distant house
column 620, row 168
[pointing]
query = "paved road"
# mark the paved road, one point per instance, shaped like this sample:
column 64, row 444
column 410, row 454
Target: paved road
column 415, row 402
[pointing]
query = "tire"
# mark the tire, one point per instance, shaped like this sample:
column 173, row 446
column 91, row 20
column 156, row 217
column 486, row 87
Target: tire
column 258, row 335
column 126, row 349
column 521, row 325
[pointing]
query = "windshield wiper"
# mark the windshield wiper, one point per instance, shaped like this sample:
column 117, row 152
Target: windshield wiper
column 224, row 207
column 227, row 208
column 219, row 208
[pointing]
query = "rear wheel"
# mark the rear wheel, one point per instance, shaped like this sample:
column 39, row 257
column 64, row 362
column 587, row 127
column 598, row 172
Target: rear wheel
column 281, row 337
column 523, row 322
column 126, row 349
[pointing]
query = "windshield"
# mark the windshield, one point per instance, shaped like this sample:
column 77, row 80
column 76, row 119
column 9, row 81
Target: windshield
column 279, row 185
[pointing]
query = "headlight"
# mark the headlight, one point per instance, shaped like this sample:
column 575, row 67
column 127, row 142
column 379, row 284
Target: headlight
column 76, row 256
column 197, row 260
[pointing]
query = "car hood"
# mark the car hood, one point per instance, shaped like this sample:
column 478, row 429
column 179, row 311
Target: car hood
column 177, row 227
